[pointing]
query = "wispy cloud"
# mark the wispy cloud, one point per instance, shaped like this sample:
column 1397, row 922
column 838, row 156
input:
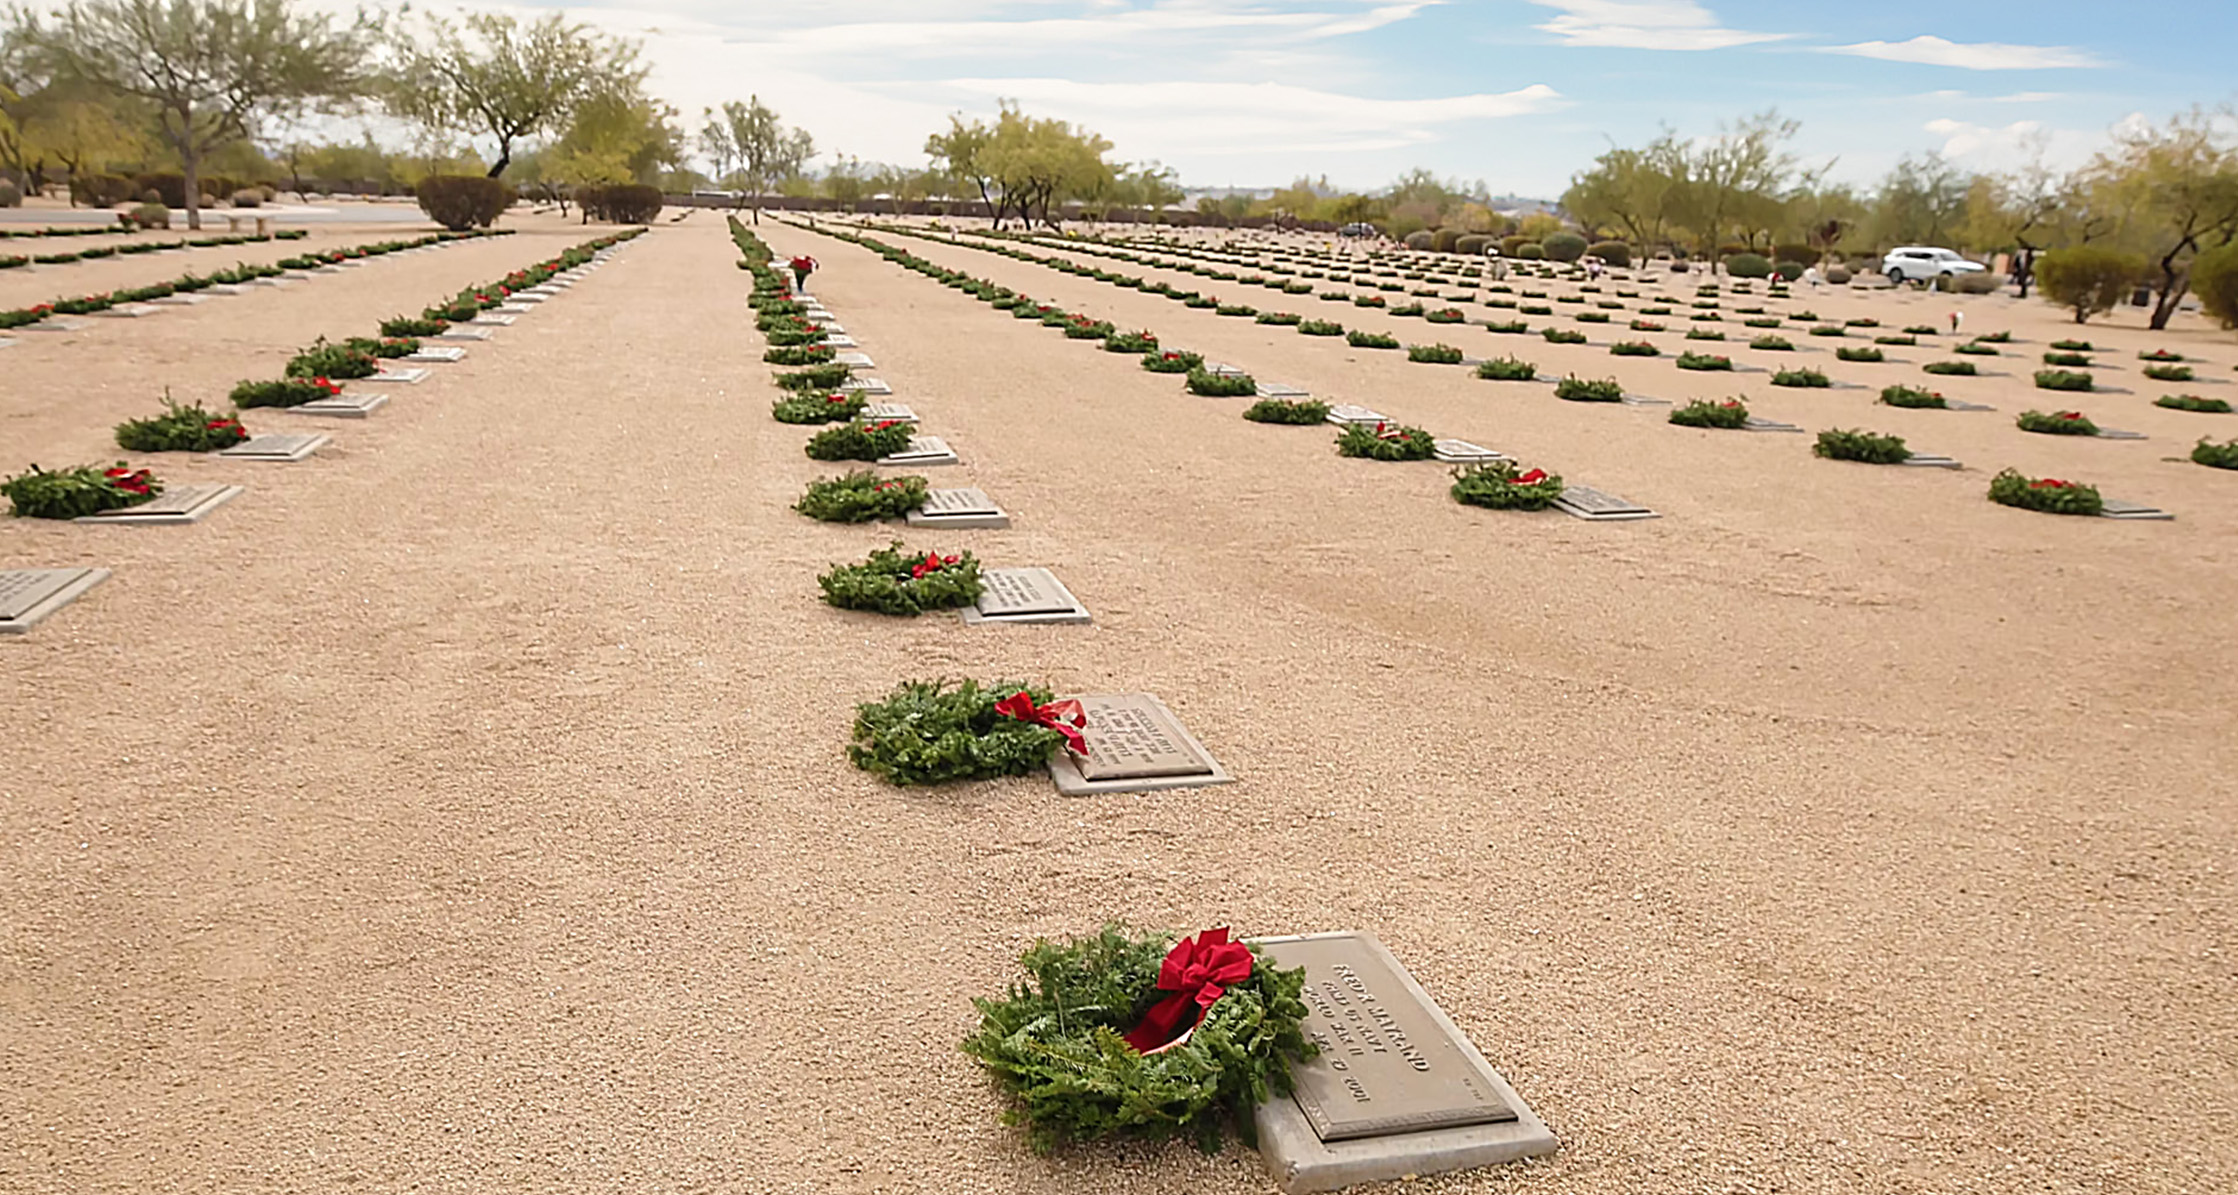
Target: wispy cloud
column 1136, row 28
column 1645, row 25
column 1973, row 56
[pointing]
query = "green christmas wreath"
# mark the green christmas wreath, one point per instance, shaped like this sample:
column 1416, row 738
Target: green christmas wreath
column 1059, row 1045
column 893, row 583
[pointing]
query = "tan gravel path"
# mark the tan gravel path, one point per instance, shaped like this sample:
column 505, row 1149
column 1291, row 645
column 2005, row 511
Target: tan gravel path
column 464, row 810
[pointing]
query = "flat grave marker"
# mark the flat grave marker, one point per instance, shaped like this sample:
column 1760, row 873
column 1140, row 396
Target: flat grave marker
column 867, row 385
column 840, row 340
column 277, row 446
column 180, row 299
column 1344, row 413
column 1024, row 595
column 2115, row 508
column 342, row 406
column 1282, row 390
column 1135, row 744
column 968, row 508
column 29, row 595
column 1929, row 460
column 892, row 412
column 1952, row 404
column 854, row 360
column 1585, row 502
column 56, row 323
column 436, row 354
column 493, row 319
column 922, row 451
column 131, row 311
column 1221, row 369
column 462, row 332
column 1753, row 424
column 2113, row 433
column 513, row 309
column 1461, row 452
column 177, row 505
column 1398, row 1090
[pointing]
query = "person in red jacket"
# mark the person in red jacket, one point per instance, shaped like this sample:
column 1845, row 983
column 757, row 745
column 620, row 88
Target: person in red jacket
column 802, row 266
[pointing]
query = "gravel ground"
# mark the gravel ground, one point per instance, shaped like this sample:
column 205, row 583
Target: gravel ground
column 464, row 809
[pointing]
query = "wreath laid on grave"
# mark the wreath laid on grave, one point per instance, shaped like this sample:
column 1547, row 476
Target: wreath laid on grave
column 180, row 429
column 2070, row 346
column 1646, row 325
column 1320, row 327
column 1172, row 361
column 1081, row 327
column 819, row 377
column 1505, row 485
column 1591, row 317
column 798, row 354
column 1131, row 342
column 2048, row 495
column 1769, row 321
column 1773, row 344
column 1128, row 1033
column 1386, row 442
column 2057, row 423
column 1955, row 369
column 859, row 441
column 1896, row 340
column 1213, row 385
column 84, row 490
column 2169, row 373
column 2072, row 359
column 1506, row 369
column 2161, row 355
column 890, row 582
column 404, row 325
column 2192, row 402
column 1434, row 354
column 1703, row 412
column 1284, row 319
column 1283, row 410
column 1576, row 389
column 1999, row 338
column 1371, row 340
column 1634, row 348
column 323, row 360
column 1837, row 444
column 1908, row 396
column 1923, row 330
column 861, row 496
column 837, row 407
column 1809, row 379
column 287, row 392
column 1859, row 353
column 932, row 732
column 2216, row 456
column 1445, row 315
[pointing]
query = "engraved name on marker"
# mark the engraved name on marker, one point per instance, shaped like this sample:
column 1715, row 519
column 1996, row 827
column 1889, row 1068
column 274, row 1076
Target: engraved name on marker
column 959, row 502
column 1016, row 591
column 1129, row 739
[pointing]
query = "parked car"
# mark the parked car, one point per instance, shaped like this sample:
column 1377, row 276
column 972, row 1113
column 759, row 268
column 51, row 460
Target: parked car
column 1357, row 230
column 1921, row 263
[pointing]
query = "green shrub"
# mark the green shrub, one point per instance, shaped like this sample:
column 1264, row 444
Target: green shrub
column 1773, row 344
column 1528, row 252
column 2088, row 279
column 1703, row 412
column 1704, row 361
column 1809, row 379
column 625, row 203
column 1386, row 443
column 1907, row 396
column 858, row 441
column 287, row 392
column 1563, row 246
column 1434, row 354
column 1959, row 369
column 1634, row 348
column 2168, row 373
column 1471, row 244
column 1172, row 361
column 861, row 496
column 2062, row 379
column 1788, row 271
column 2192, row 402
column 2214, row 278
column 926, row 732
column 1283, row 410
column 152, row 215
column 1615, row 253
column 906, row 586
column 1371, row 340
column 1320, row 327
column 77, row 492
column 1859, row 353
column 1504, row 485
column 1576, row 389
column 817, row 408
column 1212, row 385
column 1560, row 336
column 2048, row 495
column 1839, row 445
column 2216, row 456
column 2057, row 423
column 180, row 429
column 2074, row 359
column 462, row 201
column 1748, row 265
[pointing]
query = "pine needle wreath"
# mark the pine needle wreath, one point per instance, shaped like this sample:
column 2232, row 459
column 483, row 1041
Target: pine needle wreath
column 180, row 429
column 859, row 442
column 861, row 496
column 1212, row 385
column 1911, row 396
column 2047, row 495
column 323, row 360
column 798, row 354
column 2058, row 423
column 2169, row 373
column 838, row 407
column 1503, row 485
column 1730, row 414
column 1054, row 1044
column 2192, row 402
column 1507, row 369
column 1384, row 442
column 2215, row 456
column 891, row 582
column 1576, row 389
column 1434, row 354
column 1838, row 444
column 1808, row 379
column 1131, row 342
column 83, row 490
column 819, row 377
column 929, row 732
column 1283, row 410
column 1954, row 369
column 1704, row 361
column 1172, row 361
column 285, row 392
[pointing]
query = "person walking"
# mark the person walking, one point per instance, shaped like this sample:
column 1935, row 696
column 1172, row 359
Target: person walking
column 802, row 266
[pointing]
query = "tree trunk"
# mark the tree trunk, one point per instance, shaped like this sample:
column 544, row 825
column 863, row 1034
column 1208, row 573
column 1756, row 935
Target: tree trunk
column 190, row 158
column 2170, row 289
column 504, row 157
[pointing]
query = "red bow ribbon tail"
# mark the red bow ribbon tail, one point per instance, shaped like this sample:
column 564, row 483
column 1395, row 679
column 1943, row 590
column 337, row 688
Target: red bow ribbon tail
column 1198, row 971
column 1064, row 717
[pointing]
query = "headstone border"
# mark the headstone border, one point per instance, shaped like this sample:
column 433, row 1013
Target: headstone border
column 69, row 592
column 317, row 441
column 211, row 496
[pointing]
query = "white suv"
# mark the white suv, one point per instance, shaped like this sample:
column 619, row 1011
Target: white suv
column 1919, row 263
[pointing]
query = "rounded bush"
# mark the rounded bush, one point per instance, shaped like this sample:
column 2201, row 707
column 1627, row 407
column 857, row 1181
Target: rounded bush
column 1509, row 245
column 1445, row 239
column 1615, row 253
column 152, row 215
column 1749, row 265
column 2214, row 278
column 2087, row 279
column 1838, row 275
column 1789, row 270
column 248, row 198
column 10, row 194
column 1471, row 244
column 1564, row 246
column 1420, row 239
column 462, row 201
column 1795, row 252
column 1530, row 252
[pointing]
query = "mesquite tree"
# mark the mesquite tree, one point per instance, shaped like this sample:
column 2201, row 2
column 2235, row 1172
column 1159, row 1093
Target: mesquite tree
column 209, row 68
column 492, row 75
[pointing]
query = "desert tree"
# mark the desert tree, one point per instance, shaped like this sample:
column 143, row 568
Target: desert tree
column 493, row 75
column 763, row 151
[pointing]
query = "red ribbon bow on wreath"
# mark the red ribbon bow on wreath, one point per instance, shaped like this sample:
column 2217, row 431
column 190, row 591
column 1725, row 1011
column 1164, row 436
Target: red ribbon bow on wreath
column 1064, row 717
column 2049, row 483
column 1198, row 971
column 932, row 563
column 1534, row 477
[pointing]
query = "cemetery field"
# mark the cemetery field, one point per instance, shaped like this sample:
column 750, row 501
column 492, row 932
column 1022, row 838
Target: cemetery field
column 466, row 807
